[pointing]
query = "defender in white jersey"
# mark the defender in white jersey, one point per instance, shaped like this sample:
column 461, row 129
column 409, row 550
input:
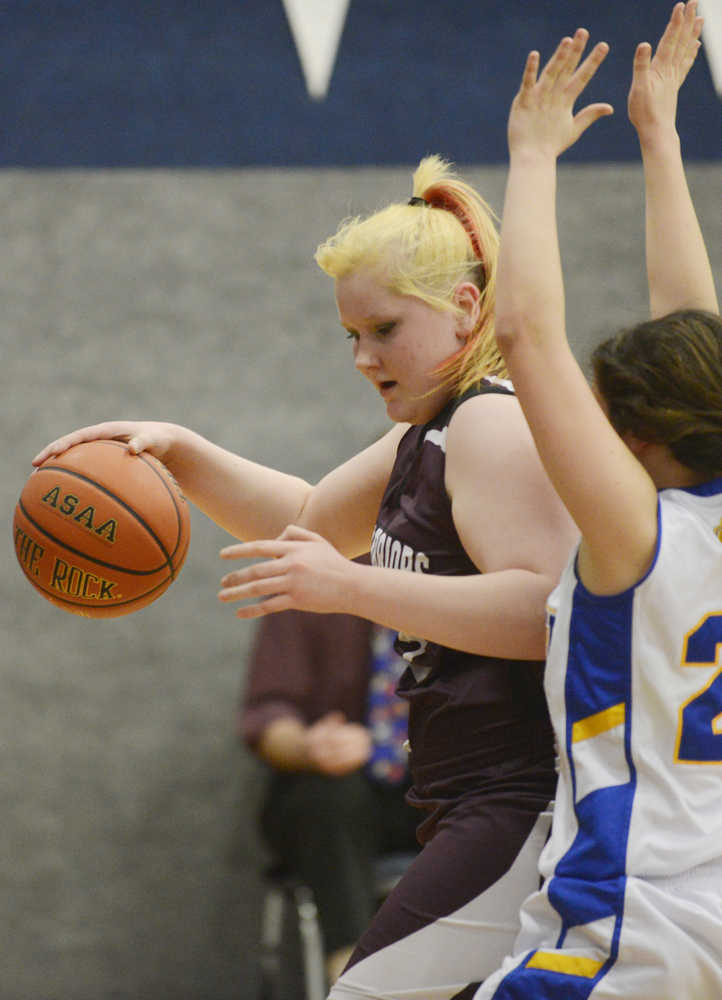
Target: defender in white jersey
column 633, row 870
column 631, row 902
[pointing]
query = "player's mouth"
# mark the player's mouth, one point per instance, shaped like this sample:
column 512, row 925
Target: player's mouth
column 386, row 387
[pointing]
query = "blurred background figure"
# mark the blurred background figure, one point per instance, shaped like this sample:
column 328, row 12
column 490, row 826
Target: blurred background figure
column 319, row 709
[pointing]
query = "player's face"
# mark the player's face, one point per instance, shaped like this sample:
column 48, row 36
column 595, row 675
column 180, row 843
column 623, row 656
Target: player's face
column 398, row 343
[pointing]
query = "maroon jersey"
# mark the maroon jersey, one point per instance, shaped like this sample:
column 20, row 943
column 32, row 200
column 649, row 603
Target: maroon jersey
column 478, row 725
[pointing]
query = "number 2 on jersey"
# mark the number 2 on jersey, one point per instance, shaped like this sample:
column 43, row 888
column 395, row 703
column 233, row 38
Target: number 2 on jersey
column 699, row 739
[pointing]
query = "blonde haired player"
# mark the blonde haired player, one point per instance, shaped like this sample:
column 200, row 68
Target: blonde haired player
column 467, row 538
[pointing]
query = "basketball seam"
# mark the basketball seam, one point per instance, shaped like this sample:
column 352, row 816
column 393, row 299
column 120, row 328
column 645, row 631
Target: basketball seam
column 84, row 555
column 168, row 559
column 164, row 482
column 173, row 498
column 166, row 485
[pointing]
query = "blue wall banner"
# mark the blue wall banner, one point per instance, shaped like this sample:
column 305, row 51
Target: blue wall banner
column 217, row 83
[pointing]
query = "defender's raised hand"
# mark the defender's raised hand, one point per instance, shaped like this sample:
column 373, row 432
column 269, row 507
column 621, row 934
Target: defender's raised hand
column 656, row 80
column 542, row 116
column 682, row 279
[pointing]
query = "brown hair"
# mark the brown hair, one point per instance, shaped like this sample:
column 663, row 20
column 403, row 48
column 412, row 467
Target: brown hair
column 662, row 380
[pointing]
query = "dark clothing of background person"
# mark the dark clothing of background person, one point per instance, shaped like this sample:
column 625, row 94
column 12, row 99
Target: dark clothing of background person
column 328, row 829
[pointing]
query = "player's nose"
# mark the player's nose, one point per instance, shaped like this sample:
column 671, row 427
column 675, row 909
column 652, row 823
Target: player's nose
column 365, row 357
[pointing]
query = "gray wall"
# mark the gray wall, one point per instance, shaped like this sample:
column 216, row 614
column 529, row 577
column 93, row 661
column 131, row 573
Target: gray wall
column 128, row 857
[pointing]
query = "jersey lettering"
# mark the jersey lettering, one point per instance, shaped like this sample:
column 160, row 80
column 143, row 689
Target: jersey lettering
column 389, row 552
column 699, row 734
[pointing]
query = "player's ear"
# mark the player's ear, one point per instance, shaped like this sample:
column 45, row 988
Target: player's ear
column 636, row 445
column 467, row 299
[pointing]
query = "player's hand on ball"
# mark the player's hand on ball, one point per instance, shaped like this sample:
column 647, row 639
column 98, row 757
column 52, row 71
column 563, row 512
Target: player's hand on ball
column 156, row 438
column 300, row 569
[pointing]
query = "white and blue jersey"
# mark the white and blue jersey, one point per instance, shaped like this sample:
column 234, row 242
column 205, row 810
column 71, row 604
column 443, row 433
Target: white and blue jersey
column 631, row 904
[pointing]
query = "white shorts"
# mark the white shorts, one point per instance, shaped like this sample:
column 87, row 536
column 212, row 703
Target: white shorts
column 667, row 946
column 440, row 960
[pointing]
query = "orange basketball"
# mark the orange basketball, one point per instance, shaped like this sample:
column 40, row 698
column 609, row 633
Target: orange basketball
column 101, row 532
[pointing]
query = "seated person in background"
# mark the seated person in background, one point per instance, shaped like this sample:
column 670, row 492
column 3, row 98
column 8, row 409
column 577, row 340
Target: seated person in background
column 316, row 710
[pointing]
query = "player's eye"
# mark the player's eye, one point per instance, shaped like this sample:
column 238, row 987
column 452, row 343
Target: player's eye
column 385, row 328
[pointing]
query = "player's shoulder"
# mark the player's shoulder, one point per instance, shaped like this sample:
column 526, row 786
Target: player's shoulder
column 490, row 416
column 490, row 387
column 490, row 393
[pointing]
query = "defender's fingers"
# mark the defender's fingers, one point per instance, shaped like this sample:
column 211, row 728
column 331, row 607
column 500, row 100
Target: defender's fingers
column 693, row 44
column 579, row 43
column 569, row 52
column 529, row 76
column 555, row 66
column 688, row 60
column 670, row 39
column 642, row 57
column 588, row 68
column 691, row 25
column 587, row 116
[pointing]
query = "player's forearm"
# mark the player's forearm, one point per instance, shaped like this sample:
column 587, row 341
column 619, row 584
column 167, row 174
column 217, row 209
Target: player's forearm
column 678, row 266
column 492, row 614
column 530, row 290
column 247, row 499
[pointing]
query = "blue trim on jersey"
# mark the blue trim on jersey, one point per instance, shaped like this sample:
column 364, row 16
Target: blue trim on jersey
column 524, row 983
column 589, row 881
column 709, row 489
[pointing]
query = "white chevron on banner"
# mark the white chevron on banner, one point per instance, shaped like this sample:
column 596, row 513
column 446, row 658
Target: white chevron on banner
column 316, row 26
column 711, row 11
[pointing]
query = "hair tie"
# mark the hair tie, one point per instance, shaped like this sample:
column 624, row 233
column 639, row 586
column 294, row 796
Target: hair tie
column 441, row 198
column 450, row 204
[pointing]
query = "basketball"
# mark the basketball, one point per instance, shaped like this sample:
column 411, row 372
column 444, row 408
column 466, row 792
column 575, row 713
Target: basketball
column 101, row 532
